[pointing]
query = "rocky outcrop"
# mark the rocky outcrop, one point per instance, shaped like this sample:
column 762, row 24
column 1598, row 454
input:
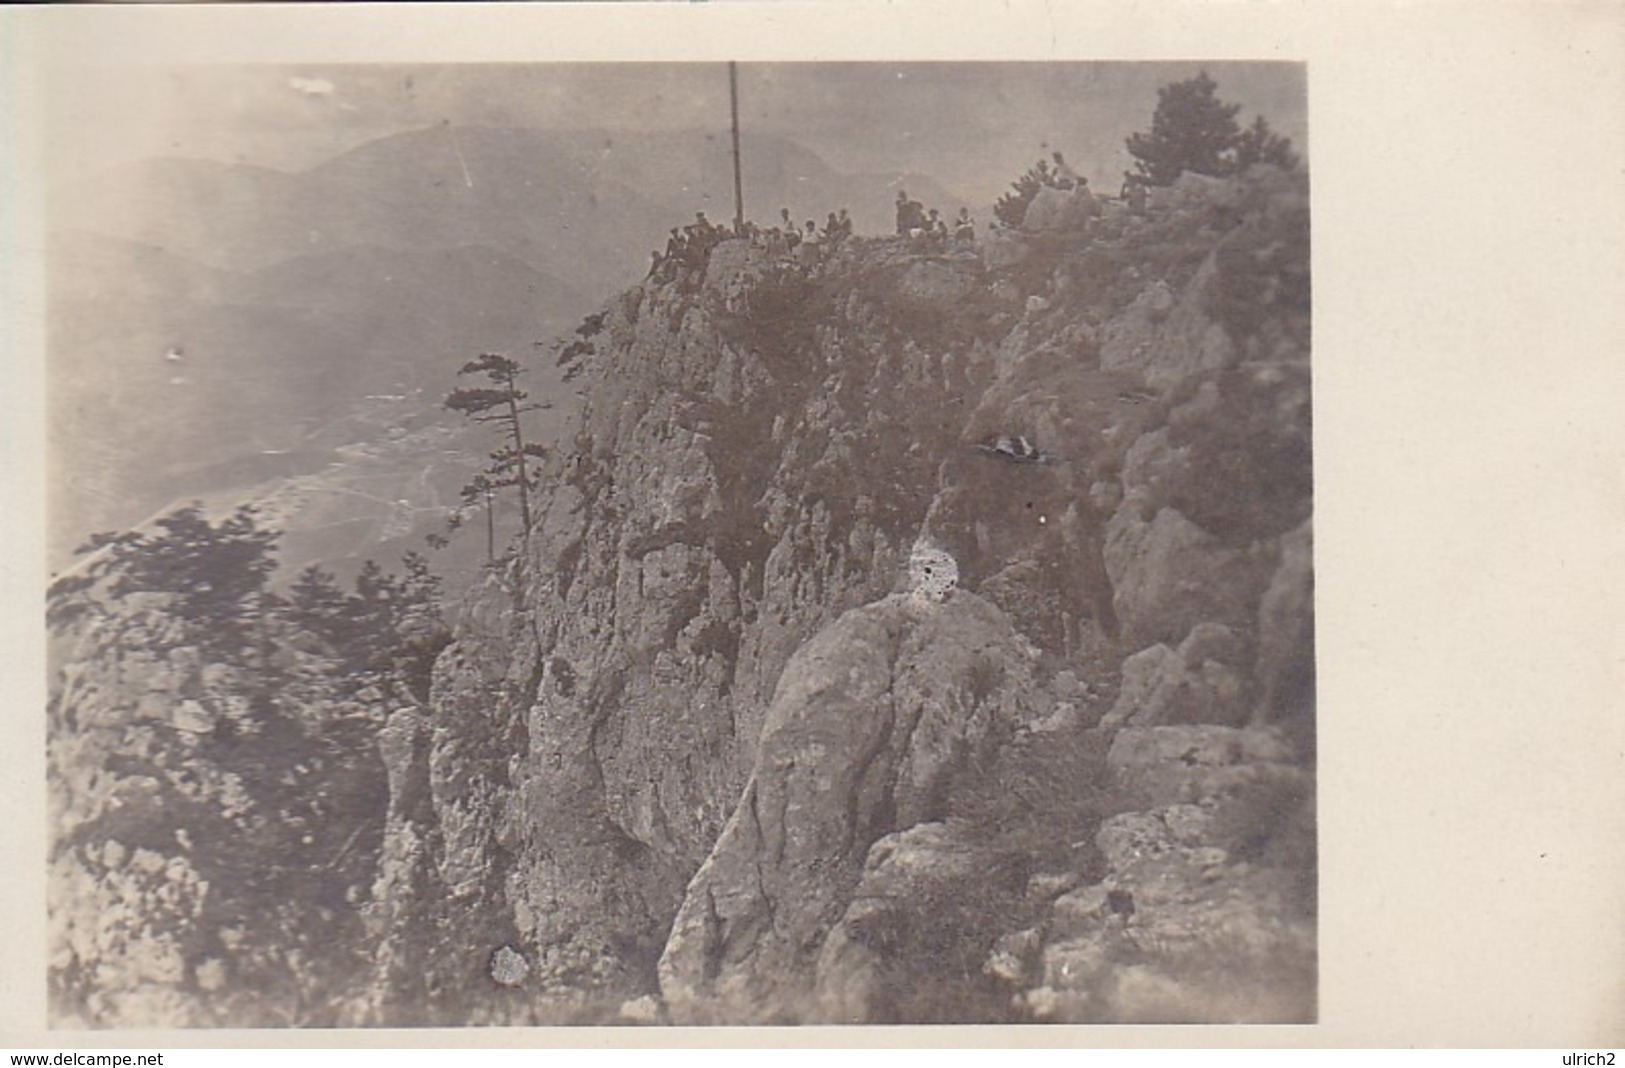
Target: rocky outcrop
column 1206, row 910
column 1202, row 682
column 863, row 968
column 211, row 853
column 1286, row 637
column 871, row 720
column 1061, row 210
column 730, row 489
column 737, row 766
column 1168, row 572
column 804, row 701
column 1166, row 338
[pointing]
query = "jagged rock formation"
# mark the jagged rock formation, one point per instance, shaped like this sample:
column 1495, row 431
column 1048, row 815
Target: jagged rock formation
column 871, row 719
column 703, row 751
column 689, row 772
column 1205, row 913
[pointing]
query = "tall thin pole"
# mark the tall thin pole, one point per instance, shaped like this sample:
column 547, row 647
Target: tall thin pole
column 739, row 185
column 490, row 526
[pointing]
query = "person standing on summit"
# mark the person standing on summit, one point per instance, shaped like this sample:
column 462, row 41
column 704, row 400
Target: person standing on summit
column 910, row 214
column 1066, row 177
column 807, row 254
column 1134, row 192
column 964, row 229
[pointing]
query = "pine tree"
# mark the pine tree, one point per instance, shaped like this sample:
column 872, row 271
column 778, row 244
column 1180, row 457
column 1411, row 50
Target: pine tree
column 1260, row 144
column 315, row 605
column 503, row 403
column 1191, row 130
column 573, row 355
column 212, row 578
column 1011, row 208
column 278, row 809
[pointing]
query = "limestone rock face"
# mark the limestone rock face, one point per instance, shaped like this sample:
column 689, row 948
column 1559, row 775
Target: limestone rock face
column 188, row 885
column 870, row 721
column 1206, row 909
column 405, row 866
column 1000, row 250
column 1166, row 338
column 799, row 702
column 1196, row 763
column 1201, row 682
column 101, row 899
column 1169, row 572
column 856, row 978
column 693, row 743
column 748, row 464
column 730, row 270
column 1286, row 632
column 932, row 281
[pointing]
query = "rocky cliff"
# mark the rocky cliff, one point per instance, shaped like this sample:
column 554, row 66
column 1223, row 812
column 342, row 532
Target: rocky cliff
column 706, row 752
column 910, row 632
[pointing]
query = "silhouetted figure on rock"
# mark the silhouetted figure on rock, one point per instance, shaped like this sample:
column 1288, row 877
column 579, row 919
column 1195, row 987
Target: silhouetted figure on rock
column 807, row 254
column 1065, row 176
column 910, row 214
column 1134, row 192
column 964, row 229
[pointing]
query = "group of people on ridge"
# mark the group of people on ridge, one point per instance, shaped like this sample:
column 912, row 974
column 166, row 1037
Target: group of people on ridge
column 917, row 223
column 688, row 248
column 805, row 242
column 1064, row 178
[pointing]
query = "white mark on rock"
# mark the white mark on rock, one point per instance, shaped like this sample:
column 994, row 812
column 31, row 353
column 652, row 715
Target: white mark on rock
column 509, row 967
column 933, row 573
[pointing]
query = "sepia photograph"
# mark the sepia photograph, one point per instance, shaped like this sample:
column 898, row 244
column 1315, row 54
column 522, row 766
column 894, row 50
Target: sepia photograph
column 681, row 543
column 703, row 525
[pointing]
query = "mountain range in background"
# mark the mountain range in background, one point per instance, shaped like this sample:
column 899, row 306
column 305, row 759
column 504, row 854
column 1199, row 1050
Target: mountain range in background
column 224, row 332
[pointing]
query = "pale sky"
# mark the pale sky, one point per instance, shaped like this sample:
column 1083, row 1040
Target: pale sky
column 972, row 126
